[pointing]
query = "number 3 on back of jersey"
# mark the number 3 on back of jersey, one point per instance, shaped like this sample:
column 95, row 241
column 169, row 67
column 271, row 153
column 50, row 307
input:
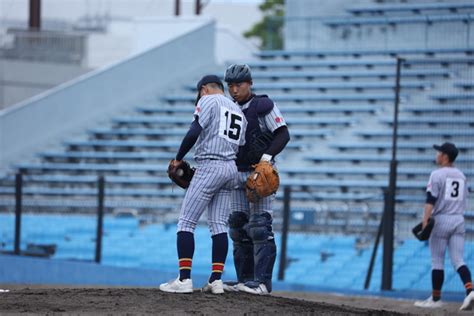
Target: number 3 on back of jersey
column 454, row 189
column 230, row 125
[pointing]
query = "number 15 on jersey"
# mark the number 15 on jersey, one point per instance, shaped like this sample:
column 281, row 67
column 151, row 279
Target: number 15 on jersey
column 230, row 125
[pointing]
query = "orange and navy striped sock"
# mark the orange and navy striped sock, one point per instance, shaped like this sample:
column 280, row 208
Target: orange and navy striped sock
column 436, row 295
column 437, row 279
column 217, row 269
column 185, row 245
column 220, row 245
column 468, row 287
column 185, row 265
column 465, row 275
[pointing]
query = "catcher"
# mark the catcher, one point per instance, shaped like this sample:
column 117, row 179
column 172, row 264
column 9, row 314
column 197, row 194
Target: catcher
column 250, row 223
column 218, row 130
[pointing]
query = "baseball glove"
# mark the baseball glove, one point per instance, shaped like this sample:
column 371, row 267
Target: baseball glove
column 180, row 173
column 423, row 234
column 263, row 182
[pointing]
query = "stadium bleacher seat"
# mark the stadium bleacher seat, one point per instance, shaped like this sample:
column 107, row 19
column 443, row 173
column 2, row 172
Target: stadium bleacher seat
column 466, row 85
column 299, row 98
column 346, row 75
column 395, row 20
column 445, row 108
column 443, row 98
column 363, row 52
column 353, row 63
column 412, row 8
column 432, row 120
column 104, row 156
column 388, row 145
column 324, row 86
column 413, row 133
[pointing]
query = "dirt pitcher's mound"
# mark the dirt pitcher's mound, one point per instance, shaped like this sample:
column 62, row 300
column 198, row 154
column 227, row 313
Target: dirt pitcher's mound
column 152, row 301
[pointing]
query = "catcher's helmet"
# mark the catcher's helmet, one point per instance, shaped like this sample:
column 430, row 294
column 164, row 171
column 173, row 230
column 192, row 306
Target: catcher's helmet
column 238, row 73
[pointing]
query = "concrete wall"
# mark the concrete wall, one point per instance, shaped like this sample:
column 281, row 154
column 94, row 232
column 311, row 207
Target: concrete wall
column 20, row 80
column 43, row 120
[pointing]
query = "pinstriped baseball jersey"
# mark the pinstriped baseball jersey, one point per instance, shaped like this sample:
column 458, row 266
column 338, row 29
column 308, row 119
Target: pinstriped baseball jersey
column 223, row 126
column 448, row 185
column 223, row 130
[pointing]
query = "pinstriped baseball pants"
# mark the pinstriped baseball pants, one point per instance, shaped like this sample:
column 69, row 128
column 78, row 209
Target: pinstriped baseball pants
column 209, row 189
column 448, row 233
column 240, row 203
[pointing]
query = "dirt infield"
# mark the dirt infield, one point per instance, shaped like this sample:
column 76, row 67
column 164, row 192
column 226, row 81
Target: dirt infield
column 139, row 301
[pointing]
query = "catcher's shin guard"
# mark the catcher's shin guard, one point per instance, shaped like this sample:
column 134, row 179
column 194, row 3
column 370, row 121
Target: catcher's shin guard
column 264, row 256
column 243, row 246
column 264, row 248
column 243, row 261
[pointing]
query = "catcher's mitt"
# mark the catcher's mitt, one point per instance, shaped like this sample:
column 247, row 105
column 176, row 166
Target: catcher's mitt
column 180, row 173
column 263, row 182
column 423, row 234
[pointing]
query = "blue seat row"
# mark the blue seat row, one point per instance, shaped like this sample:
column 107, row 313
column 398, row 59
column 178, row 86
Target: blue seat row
column 367, row 97
column 323, row 86
column 394, row 20
column 406, row 132
column 430, row 120
column 449, row 108
column 156, row 132
column 92, row 167
column 388, row 145
column 346, row 75
column 104, row 155
column 367, row 63
column 452, row 97
column 91, row 203
column 287, row 109
column 354, row 170
column 412, row 7
column 466, row 85
column 362, row 52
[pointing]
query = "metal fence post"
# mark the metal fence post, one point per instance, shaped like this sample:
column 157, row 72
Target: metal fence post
column 389, row 209
column 368, row 277
column 100, row 218
column 284, row 232
column 18, row 211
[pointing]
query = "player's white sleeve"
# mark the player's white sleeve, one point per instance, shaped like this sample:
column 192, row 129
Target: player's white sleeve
column 274, row 119
column 205, row 110
column 434, row 185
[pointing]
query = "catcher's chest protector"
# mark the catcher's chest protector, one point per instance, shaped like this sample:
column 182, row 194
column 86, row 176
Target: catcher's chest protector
column 253, row 125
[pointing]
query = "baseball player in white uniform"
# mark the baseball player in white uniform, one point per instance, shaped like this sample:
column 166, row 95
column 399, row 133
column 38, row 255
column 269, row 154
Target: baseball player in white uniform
column 218, row 130
column 446, row 202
